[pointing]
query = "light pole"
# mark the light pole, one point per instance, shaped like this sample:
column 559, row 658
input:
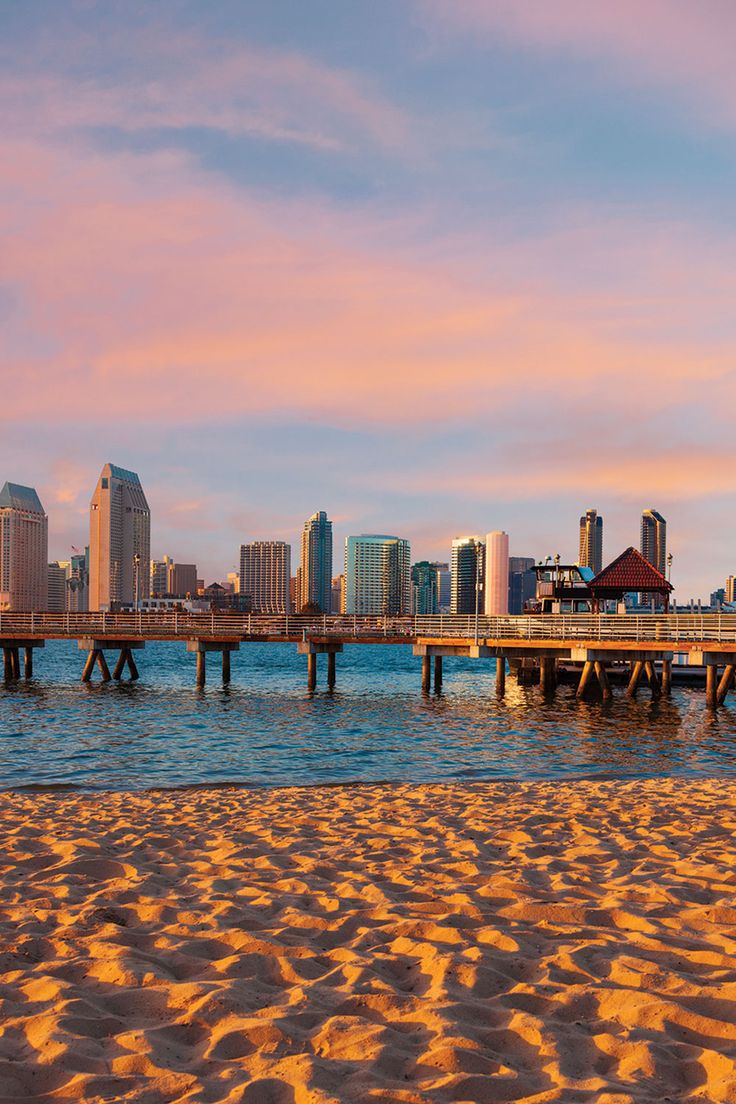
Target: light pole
column 669, row 574
column 137, row 566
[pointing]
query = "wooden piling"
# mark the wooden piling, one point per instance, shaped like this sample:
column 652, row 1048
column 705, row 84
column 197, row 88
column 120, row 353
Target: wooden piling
column 585, row 677
column 603, row 682
column 311, row 671
column 15, row 661
column 225, row 666
column 102, row 664
column 89, row 665
column 201, row 669
column 636, row 673
column 132, row 667
column 725, row 684
column 426, row 676
column 28, row 663
column 547, row 674
column 437, row 674
column 500, row 676
column 7, row 665
column 667, row 677
column 711, row 687
column 120, row 665
column 651, row 672
column 331, row 669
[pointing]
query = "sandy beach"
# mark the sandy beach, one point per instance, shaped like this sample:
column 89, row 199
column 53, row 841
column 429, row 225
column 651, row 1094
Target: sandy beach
column 506, row 942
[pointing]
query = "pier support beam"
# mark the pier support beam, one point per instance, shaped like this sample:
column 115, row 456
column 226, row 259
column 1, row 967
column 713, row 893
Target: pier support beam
column 201, row 646
column 500, row 676
column 585, row 677
column 602, row 676
column 725, row 684
column 637, row 670
column 653, row 678
column 96, row 649
column 311, row 649
column 667, row 678
column 547, row 674
column 28, row 663
column 11, row 656
column 711, row 685
column 438, row 674
column 7, row 664
column 426, row 674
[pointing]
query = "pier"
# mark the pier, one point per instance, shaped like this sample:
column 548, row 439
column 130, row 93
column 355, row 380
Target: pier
column 593, row 647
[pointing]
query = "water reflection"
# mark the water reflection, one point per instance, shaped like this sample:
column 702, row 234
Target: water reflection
column 265, row 728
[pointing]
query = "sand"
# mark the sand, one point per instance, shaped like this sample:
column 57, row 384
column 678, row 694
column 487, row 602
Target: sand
column 507, row 942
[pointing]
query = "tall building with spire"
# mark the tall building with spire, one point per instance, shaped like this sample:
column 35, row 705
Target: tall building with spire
column 314, row 575
column 24, row 543
column 653, row 545
column 119, row 540
column 591, row 541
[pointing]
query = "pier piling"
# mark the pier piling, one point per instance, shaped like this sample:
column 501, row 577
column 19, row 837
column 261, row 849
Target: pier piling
column 201, row 669
column 120, row 665
column 653, row 678
column 102, row 664
column 438, row 674
column 225, row 667
column 28, row 663
column 711, row 685
column 667, row 678
column 725, row 684
column 603, row 681
column 312, row 671
column 331, row 670
column 426, row 676
column 636, row 673
column 585, row 677
column 500, row 676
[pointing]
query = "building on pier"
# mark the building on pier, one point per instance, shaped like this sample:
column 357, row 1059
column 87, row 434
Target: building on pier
column 314, row 575
column 265, row 576
column 377, row 575
column 24, row 544
column 119, row 540
column 628, row 573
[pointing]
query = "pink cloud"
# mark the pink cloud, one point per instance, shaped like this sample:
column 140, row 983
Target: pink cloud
column 139, row 276
column 672, row 43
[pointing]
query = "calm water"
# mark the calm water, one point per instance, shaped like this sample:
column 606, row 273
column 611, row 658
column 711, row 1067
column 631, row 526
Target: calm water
column 266, row 730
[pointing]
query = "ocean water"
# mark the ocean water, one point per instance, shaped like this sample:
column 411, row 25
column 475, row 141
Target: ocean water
column 266, row 729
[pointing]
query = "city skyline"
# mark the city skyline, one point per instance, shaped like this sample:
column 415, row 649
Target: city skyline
column 414, row 274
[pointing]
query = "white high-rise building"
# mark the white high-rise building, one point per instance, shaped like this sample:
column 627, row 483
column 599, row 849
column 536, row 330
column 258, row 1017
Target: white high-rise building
column 265, row 575
column 497, row 574
column 24, row 545
column 377, row 575
column 119, row 540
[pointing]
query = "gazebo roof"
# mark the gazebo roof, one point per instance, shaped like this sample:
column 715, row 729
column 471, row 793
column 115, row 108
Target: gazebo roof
column 629, row 572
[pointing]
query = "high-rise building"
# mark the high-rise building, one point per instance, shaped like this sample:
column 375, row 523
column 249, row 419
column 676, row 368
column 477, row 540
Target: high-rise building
column 424, row 588
column 730, row 588
column 591, row 541
column 314, row 577
column 58, row 574
column 119, row 540
column 522, row 583
column 265, row 575
column 377, row 575
column 467, row 574
column 24, row 544
column 444, row 586
column 78, row 582
column 338, row 594
column 654, row 540
column 159, row 587
column 497, row 574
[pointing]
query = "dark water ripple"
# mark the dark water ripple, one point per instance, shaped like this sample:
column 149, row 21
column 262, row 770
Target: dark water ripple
column 266, row 730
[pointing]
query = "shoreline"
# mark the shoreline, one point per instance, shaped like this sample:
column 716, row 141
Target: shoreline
column 568, row 941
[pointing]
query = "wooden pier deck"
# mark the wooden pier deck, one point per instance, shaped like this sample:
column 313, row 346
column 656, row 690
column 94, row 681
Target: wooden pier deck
column 646, row 642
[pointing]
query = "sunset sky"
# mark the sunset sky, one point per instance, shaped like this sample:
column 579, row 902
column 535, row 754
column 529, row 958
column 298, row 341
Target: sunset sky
column 434, row 266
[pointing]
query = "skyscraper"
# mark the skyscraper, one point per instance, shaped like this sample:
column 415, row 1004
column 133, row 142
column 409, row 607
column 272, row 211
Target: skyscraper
column 377, row 575
column 730, row 588
column 654, row 540
column 444, row 586
column 265, row 575
column 591, row 541
column 467, row 572
column 119, row 540
column 24, row 544
column 314, row 577
column 424, row 588
column 497, row 574
column 59, row 573
column 522, row 583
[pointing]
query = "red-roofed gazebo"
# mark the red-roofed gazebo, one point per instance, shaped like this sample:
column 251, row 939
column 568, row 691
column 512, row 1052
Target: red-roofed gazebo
column 629, row 572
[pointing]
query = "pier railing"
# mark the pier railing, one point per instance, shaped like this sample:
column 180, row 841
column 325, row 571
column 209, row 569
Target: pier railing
column 670, row 629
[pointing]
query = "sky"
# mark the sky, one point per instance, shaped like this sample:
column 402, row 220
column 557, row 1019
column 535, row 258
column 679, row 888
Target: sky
column 437, row 267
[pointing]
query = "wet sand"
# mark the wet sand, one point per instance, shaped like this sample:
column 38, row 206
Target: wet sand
column 506, row 942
